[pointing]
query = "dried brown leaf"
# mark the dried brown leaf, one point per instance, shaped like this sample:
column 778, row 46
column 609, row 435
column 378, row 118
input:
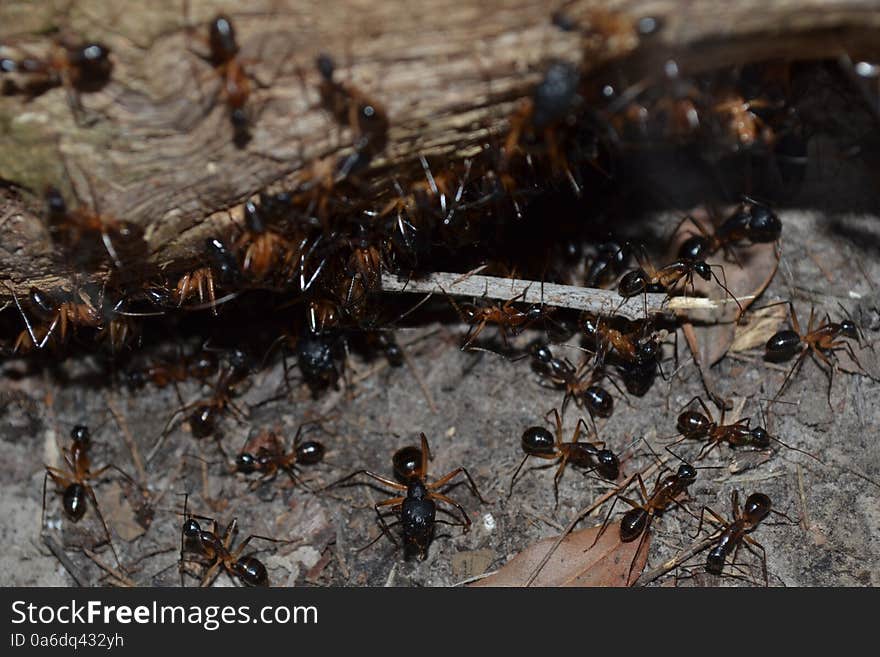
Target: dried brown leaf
column 118, row 514
column 759, row 326
column 609, row 562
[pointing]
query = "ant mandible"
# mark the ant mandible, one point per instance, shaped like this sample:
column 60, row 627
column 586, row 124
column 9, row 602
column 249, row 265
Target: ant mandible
column 417, row 508
column 539, row 442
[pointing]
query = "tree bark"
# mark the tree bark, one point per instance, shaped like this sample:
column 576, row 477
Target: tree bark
column 450, row 73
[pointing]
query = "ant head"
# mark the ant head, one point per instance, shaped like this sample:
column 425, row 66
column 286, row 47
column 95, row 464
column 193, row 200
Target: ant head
column 715, row 560
column 239, row 118
column 609, row 465
column 222, row 39
column 80, row 434
column 757, row 507
column 201, row 421
column 556, row 94
column 701, row 267
column 326, row 66
column 56, row 206
column 253, row 217
column 687, row 472
column 246, row 463
column 93, row 62
column 760, row 437
column 649, row 349
column 534, row 313
column 764, row 224
column 541, row 352
column 849, row 329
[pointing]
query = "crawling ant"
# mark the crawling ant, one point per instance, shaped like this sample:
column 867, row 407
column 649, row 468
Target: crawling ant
column 72, row 226
column 263, row 250
column 317, row 356
column 539, row 442
column 218, row 553
column 694, row 425
column 561, row 373
column 736, row 533
column 647, row 279
column 79, row 67
column 163, row 373
column 821, row 343
column 266, row 455
column 505, row 316
column 610, row 259
column 57, row 315
column 417, row 508
column 366, row 118
column 201, row 282
column 752, row 221
column 75, row 483
column 633, row 342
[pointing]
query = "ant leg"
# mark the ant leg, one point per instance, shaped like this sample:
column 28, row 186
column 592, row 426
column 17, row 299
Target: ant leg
column 389, row 502
column 447, row 478
column 702, row 515
column 448, row 500
column 381, row 534
column 91, row 493
column 244, row 543
column 797, row 365
column 561, row 469
column 383, row 480
column 749, row 542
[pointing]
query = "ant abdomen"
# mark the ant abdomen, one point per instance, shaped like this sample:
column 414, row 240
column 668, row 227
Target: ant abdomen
column 538, row 440
column 633, row 524
column 251, row 571
column 599, row 401
column 757, row 507
column 202, row 420
column 75, row 501
column 692, row 423
column 783, row 345
column 694, row 248
column 633, row 283
column 310, row 452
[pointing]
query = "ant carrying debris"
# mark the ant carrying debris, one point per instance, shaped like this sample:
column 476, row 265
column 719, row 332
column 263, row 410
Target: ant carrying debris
column 417, row 508
column 540, row 443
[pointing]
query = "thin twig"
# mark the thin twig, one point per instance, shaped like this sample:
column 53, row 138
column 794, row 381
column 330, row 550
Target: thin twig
column 118, row 576
column 677, row 560
column 551, row 294
column 129, row 441
column 59, row 553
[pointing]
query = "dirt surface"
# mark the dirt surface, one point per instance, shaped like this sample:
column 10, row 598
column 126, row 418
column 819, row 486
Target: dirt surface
column 482, row 404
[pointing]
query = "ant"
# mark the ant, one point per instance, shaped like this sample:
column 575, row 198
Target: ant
column 539, row 442
column 223, row 268
column 73, row 225
column 752, row 221
column 504, row 315
column 264, row 249
column 562, row 373
column 75, row 482
column 217, row 550
column 647, row 279
column 608, row 263
column 366, row 118
column 58, row 315
column 78, row 67
column 417, row 508
column 736, row 533
column 694, row 425
column 165, row 372
column 820, row 342
column 317, row 355
column 265, row 455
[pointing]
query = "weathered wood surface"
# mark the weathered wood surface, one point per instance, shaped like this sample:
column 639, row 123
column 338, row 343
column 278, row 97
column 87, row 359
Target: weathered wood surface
column 449, row 72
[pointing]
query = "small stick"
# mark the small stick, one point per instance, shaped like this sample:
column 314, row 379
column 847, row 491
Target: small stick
column 551, row 294
column 677, row 560
column 119, row 577
column 129, row 441
column 59, row 553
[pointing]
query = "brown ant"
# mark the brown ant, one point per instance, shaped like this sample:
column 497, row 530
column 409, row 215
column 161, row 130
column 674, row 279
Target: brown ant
column 539, row 442
column 561, row 373
column 417, row 508
column 166, row 372
column 736, row 533
column 75, row 482
column 78, row 67
column 752, row 221
column 505, row 316
column 201, row 282
column 694, row 425
column 821, row 343
column 264, row 251
column 265, row 455
column 58, row 316
column 217, row 550
column 647, row 279
column 367, row 119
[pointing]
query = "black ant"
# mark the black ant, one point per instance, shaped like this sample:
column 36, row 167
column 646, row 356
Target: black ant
column 752, row 221
column 736, row 533
column 81, row 67
column 264, row 454
column 417, row 508
column 201, row 282
column 75, row 483
column 694, row 425
column 366, row 118
column 217, row 550
column 647, row 279
column 821, row 342
column 317, row 356
column 166, row 372
column 610, row 259
column 561, row 373
column 57, row 315
column 539, row 442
